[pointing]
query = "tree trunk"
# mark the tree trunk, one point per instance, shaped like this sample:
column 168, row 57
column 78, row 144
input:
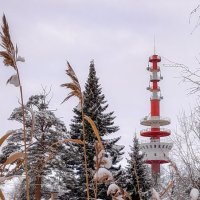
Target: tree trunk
column 54, row 196
column 38, row 187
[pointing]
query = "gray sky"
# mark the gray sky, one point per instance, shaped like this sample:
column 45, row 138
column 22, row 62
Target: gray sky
column 119, row 36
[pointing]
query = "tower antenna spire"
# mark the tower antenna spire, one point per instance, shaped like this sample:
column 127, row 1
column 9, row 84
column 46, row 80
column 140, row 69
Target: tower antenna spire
column 154, row 46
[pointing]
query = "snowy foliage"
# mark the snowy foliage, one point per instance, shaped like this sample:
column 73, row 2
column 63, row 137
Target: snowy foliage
column 186, row 154
column 136, row 174
column 45, row 162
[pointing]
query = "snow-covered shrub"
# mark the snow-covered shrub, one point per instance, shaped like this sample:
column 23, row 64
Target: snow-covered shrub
column 103, row 163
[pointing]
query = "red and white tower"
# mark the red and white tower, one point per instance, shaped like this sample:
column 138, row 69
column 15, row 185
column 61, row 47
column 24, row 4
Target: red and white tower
column 156, row 152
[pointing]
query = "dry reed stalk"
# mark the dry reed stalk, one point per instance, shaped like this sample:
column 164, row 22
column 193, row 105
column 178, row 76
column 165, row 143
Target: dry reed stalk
column 19, row 163
column 75, row 88
column 98, row 148
column 5, row 136
column 95, row 130
column 10, row 58
column 171, row 182
column 15, row 196
column 1, row 195
column 15, row 157
column 32, row 123
column 96, row 133
column 85, row 153
column 169, row 186
column 67, row 140
column 95, row 188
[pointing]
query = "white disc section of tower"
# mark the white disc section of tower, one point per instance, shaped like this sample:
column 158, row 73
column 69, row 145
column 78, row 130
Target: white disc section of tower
column 156, row 151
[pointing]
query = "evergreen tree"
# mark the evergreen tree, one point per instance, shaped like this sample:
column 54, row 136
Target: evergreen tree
column 54, row 175
column 95, row 107
column 137, row 174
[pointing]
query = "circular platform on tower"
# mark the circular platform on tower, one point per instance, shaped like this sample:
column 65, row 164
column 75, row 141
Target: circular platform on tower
column 156, row 151
column 156, row 161
column 155, row 133
column 149, row 121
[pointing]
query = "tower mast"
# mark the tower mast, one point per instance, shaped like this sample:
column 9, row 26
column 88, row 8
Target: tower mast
column 156, row 152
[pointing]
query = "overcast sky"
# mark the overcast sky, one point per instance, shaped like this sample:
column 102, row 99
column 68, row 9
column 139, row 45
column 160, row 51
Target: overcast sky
column 119, row 36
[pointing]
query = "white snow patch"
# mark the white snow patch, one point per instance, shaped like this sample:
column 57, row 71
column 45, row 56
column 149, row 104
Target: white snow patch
column 194, row 194
column 120, row 197
column 106, row 162
column 20, row 59
column 113, row 189
column 155, row 195
column 13, row 80
column 103, row 174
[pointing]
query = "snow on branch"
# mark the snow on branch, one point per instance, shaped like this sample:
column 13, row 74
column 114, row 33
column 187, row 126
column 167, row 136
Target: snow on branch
column 103, row 163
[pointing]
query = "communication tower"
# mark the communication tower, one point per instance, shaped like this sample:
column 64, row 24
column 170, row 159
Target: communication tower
column 156, row 152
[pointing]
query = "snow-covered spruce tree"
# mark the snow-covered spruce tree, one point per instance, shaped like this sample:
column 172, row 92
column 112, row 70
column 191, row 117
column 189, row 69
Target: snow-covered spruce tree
column 95, row 107
column 137, row 177
column 54, row 174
